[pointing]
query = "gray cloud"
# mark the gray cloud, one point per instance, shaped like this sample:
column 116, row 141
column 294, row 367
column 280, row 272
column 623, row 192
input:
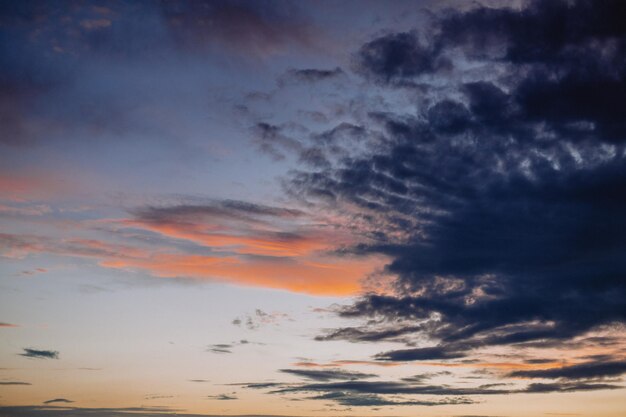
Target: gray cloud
column 327, row 374
column 222, row 397
column 220, row 348
column 585, row 370
column 310, row 75
column 40, row 354
column 58, row 400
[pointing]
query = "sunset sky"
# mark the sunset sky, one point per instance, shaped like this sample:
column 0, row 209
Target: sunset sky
column 312, row 208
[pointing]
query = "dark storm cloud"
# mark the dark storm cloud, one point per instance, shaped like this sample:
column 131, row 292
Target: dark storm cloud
column 40, row 354
column 586, row 370
column 327, row 374
column 14, row 383
column 571, row 57
column 565, row 61
column 500, row 199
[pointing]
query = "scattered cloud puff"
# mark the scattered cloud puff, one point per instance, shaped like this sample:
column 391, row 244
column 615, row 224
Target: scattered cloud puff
column 220, row 348
column 261, row 318
column 223, row 397
column 31, row 272
column 40, row 354
column 228, row 347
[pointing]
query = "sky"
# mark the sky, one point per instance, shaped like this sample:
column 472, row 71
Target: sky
column 312, row 208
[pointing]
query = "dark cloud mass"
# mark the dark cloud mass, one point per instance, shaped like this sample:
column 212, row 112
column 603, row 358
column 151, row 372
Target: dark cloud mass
column 481, row 152
column 397, row 56
column 500, row 198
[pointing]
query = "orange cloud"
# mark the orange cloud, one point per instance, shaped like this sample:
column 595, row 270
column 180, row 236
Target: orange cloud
column 316, row 275
column 250, row 244
column 334, row 277
column 257, row 243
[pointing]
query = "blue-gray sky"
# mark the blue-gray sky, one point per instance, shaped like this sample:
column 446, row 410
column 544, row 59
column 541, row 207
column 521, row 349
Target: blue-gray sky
column 312, row 208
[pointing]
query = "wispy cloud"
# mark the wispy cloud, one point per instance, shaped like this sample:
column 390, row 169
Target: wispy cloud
column 328, row 374
column 586, row 370
column 244, row 247
column 40, row 354
column 58, row 400
column 379, row 391
column 222, row 397
column 220, row 348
